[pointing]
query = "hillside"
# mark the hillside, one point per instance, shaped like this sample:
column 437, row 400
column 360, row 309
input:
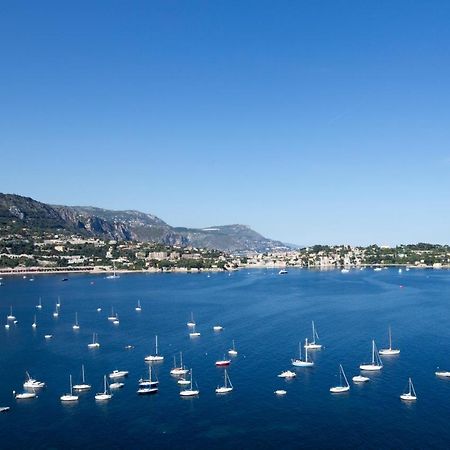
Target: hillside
column 17, row 212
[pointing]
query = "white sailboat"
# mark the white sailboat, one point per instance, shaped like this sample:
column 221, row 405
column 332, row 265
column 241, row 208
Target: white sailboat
column 343, row 387
column 24, row 395
column 116, row 320
column 155, row 357
column 56, row 311
column 302, row 362
column 58, row 303
column 411, row 394
column 114, row 274
column 376, row 363
column 181, row 370
column 138, row 307
column 11, row 316
column 149, row 382
column 39, row 305
column 7, row 324
column 194, row 333
column 217, row 327
column 106, row 394
column 34, row 324
column 83, row 386
column 191, row 323
column 227, row 386
column 232, row 351
column 190, row 392
column 69, row 397
column 112, row 316
column 314, row 345
column 76, row 325
column 94, row 343
column 389, row 351
column 223, row 362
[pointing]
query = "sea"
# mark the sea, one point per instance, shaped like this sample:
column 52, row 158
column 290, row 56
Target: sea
column 267, row 315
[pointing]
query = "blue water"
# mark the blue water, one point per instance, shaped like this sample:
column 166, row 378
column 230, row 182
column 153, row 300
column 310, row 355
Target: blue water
column 266, row 315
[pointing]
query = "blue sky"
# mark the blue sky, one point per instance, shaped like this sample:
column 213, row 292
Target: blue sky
column 310, row 121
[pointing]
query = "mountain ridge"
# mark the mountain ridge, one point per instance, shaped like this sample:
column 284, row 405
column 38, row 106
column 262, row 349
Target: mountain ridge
column 127, row 225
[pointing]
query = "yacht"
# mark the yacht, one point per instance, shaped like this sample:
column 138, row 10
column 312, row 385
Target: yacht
column 376, row 363
column 83, row 386
column 155, row 357
column 343, row 384
column 442, row 373
column 48, row 336
column 106, row 394
column 69, row 397
column 282, row 272
column 190, row 392
column 24, row 395
column 280, row 392
column 118, row 374
column 302, row 362
column 360, row 379
column 116, row 385
column 287, row 374
column 31, row 383
column 217, row 328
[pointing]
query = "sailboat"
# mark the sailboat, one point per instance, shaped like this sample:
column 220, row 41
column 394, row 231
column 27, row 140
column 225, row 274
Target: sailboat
column 58, row 303
column 177, row 371
column 24, row 395
column 11, row 316
column 116, row 320
column 232, row 351
column 34, row 324
column 56, row 312
column 314, row 345
column 94, row 343
column 389, row 351
column 69, row 397
column 191, row 391
column 149, row 381
column 149, row 386
column 138, row 307
column 343, row 387
column 106, row 394
column 227, row 387
column 194, row 333
column 191, row 323
column 155, row 357
column 7, row 324
column 376, row 363
column 302, row 362
column 83, row 386
column 39, row 305
column 76, row 325
column 112, row 316
column 411, row 394
column 114, row 275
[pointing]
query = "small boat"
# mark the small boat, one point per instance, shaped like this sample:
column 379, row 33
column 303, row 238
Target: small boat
column 227, row 386
column 223, row 362
column 112, row 316
column 116, row 385
column 147, row 390
column 343, row 387
column 116, row 320
column 360, row 379
column 232, row 351
column 83, row 386
column 138, row 307
column 11, row 316
column 287, row 374
column 191, row 323
column 118, row 374
column 194, row 333
column 65, row 279
column 106, row 394
column 389, row 351
column 4, row 408
column 24, row 395
column 283, row 272
column 345, row 270
column 34, row 324
column 148, row 382
column 181, row 370
column 183, row 381
column 302, row 362
column 56, row 311
column 155, row 357
column 99, row 309
column 58, row 303
column 31, row 383
column 217, row 328
column 128, row 347
column 442, row 373
column 280, row 392
column 114, row 274
column 76, row 325
column 376, row 363
column 69, row 397
column 191, row 392
column 411, row 394
column 7, row 324
column 94, row 343
column 39, row 305
column 313, row 345
column 377, row 269
column 48, row 336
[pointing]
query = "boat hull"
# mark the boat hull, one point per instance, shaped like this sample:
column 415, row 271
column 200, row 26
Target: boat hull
column 370, row 367
column 389, row 352
column 223, row 390
column 408, row 397
column 189, row 393
column 339, row 389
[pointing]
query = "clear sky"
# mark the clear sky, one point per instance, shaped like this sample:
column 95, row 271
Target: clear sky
column 310, row 121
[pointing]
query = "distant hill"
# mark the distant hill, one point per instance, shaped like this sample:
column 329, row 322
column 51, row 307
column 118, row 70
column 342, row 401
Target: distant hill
column 17, row 211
